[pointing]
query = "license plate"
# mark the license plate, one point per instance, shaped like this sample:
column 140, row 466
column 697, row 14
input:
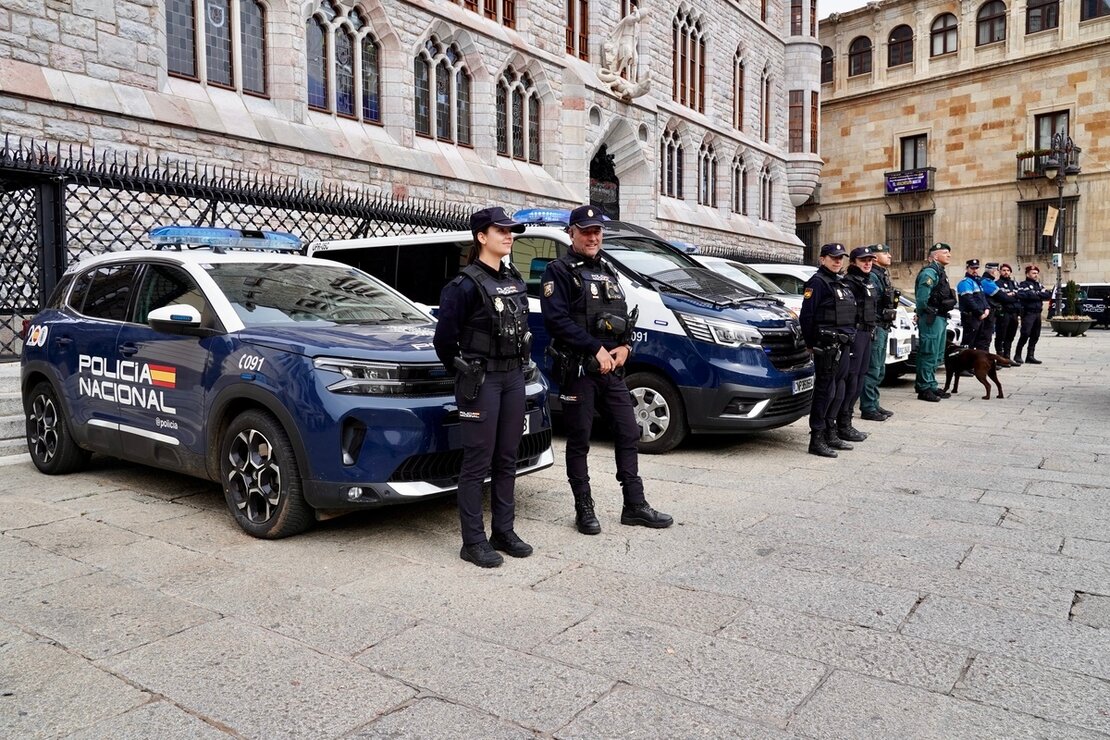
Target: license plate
column 803, row 384
column 531, row 418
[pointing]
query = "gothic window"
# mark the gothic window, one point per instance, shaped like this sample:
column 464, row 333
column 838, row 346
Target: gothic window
column 343, row 44
column 518, row 113
column 859, row 56
column 739, row 187
column 990, row 23
column 826, row 64
column 670, row 165
column 738, row 87
column 943, row 35
column 766, row 199
column 226, row 27
column 707, row 176
column 578, row 28
column 765, row 117
column 688, row 61
column 899, row 47
column 442, row 92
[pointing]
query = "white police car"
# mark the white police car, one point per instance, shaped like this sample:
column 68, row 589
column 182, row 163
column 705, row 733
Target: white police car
column 302, row 385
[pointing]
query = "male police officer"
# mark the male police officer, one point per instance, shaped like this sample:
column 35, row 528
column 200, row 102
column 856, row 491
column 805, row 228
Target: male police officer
column 1009, row 316
column 585, row 312
column 974, row 309
column 886, row 309
column 858, row 279
column 933, row 299
column 828, row 320
column 997, row 300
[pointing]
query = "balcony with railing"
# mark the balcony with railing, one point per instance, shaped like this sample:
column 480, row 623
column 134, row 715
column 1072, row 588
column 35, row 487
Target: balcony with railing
column 1030, row 163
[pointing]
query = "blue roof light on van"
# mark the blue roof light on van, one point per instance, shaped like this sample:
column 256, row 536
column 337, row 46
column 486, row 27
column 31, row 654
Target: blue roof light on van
column 219, row 239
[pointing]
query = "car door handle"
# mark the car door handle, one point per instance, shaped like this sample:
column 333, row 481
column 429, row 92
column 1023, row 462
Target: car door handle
column 128, row 349
column 64, row 341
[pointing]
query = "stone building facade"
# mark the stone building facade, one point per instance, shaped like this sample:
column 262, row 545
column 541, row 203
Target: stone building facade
column 937, row 116
column 469, row 102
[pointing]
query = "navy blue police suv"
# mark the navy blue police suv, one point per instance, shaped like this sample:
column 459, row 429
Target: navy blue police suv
column 304, row 386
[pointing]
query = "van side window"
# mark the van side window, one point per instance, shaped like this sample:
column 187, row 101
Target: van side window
column 530, row 256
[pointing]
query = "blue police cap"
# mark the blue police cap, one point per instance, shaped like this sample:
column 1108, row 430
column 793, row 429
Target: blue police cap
column 862, row 252
column 495, row 216
column 973, row 263
column 836, row 249
column 586, row 216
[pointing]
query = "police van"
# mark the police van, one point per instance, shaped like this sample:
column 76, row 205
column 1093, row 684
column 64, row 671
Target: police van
column 708, row 356
column 304, row 386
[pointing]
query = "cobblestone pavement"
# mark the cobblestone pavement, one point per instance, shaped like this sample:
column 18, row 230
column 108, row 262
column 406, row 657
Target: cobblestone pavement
column 949, row 578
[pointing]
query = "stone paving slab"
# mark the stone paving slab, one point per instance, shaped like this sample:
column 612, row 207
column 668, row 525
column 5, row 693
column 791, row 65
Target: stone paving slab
column 432, row 718
column 1077, row 547
column 262, row 684
column 27, row 567
column 1071, row 573
column 158, row 719
column 75, row 536
column 1092, row 610
column 19, row 512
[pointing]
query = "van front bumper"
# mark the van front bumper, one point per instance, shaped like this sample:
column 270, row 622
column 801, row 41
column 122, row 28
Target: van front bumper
column 732, row 407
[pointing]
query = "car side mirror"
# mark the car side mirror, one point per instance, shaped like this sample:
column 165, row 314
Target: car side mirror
column 179, row 318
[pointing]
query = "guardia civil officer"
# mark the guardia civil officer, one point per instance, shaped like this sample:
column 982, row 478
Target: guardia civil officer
column 828, row 321
column 933, row 299
column 886, row 311
column 585, row 312
column 858, row 278
column 1009, row 314
column 974, row 308
column 482, row 336
column 1032, row 296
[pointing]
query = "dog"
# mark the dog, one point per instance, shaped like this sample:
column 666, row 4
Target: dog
column 981, row 363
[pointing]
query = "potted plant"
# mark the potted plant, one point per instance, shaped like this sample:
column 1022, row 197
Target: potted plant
column 1071, row 323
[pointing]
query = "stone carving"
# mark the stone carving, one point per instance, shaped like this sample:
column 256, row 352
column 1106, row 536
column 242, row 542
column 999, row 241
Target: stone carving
column 620, row 58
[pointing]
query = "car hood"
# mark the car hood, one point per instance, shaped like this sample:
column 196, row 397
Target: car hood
column 383, row 342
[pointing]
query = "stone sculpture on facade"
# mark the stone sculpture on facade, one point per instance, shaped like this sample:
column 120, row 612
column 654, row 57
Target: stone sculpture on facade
column 620, row 58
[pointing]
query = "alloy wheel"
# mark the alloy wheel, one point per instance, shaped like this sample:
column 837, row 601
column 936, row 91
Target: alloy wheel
column 653, row 415
column 44, row 428
column 255, row 477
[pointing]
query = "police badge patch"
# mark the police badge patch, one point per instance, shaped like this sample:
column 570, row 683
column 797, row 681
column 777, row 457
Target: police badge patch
column 548, row 289
column 498, row 304
column 593, row 290
column 808, row 293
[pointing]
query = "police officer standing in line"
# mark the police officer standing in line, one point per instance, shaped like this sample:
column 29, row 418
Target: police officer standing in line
column 886, row 310
column 974, row 309
column 482, row 335
column 1009, row 314
column 1032, row 296
column 858, row 279
column 585, row 311
column 996, row 301
column 828, row 321
column 933, row 299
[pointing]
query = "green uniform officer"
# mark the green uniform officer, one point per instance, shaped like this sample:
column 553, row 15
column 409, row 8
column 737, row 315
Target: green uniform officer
column 887, row 313
column 933, row 298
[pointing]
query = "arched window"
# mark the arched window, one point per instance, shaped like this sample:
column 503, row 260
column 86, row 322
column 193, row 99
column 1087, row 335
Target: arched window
column 739, row 187
column 344, row 44
column 738, row 72
column 765, row 107
column 670, row 165
column 216, row 29
column 439, row 72
column 990, row 23
column 766, row 198
column 826, row 64
column 859, row 56
column 518, row 113
column 942, row 35
column 688, row 61
column 707, row 176
column 900, row 46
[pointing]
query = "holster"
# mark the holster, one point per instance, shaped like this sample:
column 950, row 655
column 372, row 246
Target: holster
column 565, row 367
column 471, row 376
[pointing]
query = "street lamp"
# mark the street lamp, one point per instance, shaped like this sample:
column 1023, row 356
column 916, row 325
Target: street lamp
column 1061, row 168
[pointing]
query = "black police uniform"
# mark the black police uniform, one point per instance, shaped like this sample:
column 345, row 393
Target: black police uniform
column 1032, row 296
column 483, row 320
column 1008, row 316
column 828, row 322
column 866, row 317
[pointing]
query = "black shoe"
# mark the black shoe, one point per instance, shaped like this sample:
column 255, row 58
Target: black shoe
column 510, row 543
column 929, row 396
column 818, row 446
column 885, row 412
column 851, row 434
column 1015, row 362
column 942, row 394
column 872, row 415
column 643, row 515
column 833, row 440
column 1032, row 361
column 584, row 517
column 481, row 555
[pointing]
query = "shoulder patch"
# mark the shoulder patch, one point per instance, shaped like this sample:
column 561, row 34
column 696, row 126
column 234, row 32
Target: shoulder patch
column 808, row 293
column 928, row 281
column 548, row 289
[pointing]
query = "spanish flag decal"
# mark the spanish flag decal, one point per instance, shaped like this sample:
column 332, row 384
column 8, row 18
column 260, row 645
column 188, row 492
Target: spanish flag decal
column 163, row 376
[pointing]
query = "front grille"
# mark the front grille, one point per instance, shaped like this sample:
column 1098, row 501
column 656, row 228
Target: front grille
column 785, row 348
column 789, row 405
column 442, row 468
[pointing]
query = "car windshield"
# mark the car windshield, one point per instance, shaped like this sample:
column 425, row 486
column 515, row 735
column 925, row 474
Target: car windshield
column 267, row 293
column 746, row 276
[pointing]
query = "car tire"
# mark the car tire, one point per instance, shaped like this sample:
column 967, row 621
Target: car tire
column 659, row 413
column 52, row 448
column 261, row 478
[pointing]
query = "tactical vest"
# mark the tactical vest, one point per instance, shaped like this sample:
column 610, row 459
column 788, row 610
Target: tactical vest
column 942, row 297
column 841, row 310
column 886, row 293
column 865, row 295
column 603, row 298
column 500, row 330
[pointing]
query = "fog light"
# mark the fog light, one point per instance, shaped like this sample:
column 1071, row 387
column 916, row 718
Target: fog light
column 354, row 493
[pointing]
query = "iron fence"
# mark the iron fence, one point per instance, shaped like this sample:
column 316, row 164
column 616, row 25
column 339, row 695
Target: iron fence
column 58, row 203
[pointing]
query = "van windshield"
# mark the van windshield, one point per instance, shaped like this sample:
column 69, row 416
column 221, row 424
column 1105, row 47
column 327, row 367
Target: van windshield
column 657, row 260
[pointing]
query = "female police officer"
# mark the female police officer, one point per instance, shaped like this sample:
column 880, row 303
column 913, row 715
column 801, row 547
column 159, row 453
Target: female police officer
column 483, row 335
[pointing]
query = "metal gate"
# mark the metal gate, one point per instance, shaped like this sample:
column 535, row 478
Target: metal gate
column 58, row 203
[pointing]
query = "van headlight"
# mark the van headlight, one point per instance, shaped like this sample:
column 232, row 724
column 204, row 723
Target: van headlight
column 724, row 333
column 386, row 378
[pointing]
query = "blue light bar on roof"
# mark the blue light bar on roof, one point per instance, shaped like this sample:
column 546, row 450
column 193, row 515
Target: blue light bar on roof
column 545, row 216
column 220, row 238
column 682, row 246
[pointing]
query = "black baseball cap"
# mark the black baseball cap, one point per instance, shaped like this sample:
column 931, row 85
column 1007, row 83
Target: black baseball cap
column 495, row 216
column 586, row 216
column 835, row 249
column 862, row 253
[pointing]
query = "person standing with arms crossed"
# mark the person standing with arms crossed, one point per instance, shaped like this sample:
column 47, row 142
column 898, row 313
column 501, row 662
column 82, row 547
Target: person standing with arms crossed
column 886, row 308
column 933, row 299
column 1032, row 296
column 585, row 312
column 974, row 307
column 482, row 336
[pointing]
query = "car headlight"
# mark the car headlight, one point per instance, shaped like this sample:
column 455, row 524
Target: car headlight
column 724, row 333
column 386, row 378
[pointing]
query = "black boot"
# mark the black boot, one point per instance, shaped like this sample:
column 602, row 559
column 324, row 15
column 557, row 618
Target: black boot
column 818, row 446
column 1031, row 360
column 481, row 555
column 643, row 515
column 869, row 415
column 833, row 440
column 584, row 517
column 850, row 433
column 885, row 412
column 509, row 542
